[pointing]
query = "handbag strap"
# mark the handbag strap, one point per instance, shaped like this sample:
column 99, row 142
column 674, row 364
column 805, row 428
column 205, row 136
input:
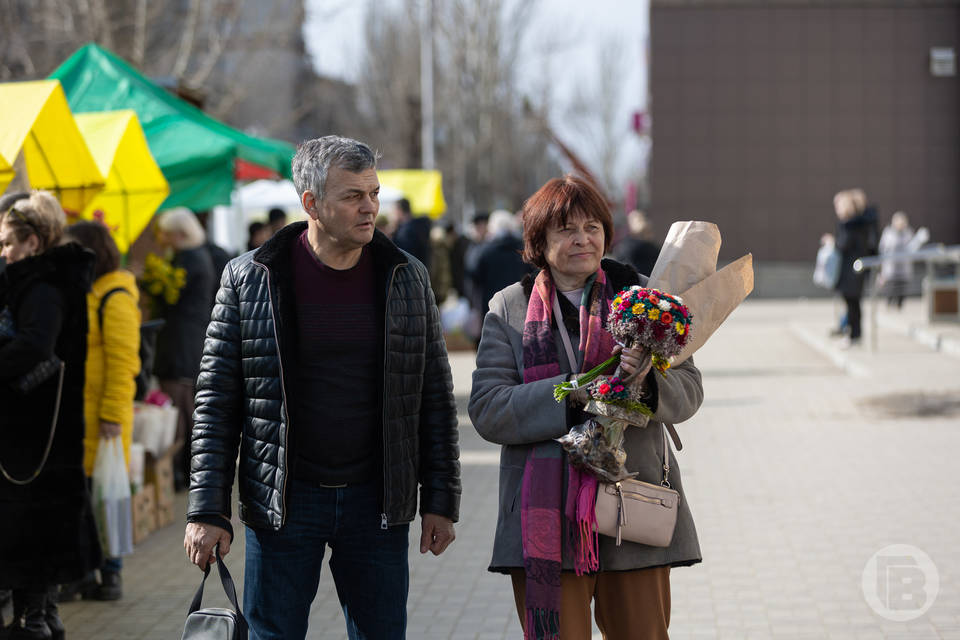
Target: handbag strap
column 53, row 430
column 564, row 336
column 225, row 580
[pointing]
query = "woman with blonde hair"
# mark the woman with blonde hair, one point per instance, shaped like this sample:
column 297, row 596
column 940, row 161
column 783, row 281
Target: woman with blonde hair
column 180, row 342
column 50, row 536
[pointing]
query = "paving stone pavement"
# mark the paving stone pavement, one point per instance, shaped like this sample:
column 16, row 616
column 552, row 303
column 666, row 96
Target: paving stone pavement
column 801, row 464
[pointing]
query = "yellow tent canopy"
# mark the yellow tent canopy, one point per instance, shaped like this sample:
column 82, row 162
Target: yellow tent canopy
column 6, row 173
column 135, row 186
column 424, row 189
column 37, row 119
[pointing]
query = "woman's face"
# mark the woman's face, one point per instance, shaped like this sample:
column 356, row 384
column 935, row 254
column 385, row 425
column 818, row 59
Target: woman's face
column 13, row 249
column 574, row 250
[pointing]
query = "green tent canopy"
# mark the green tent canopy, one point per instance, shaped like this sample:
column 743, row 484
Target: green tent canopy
column 195, row 152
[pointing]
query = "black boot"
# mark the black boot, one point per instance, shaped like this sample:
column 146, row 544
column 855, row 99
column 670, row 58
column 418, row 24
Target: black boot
column 52, row 615
column 29, row 622
column 111, row 586
column 84, row 588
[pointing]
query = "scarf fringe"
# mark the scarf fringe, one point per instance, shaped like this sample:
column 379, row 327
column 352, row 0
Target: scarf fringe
column 542, row 624
column 587, row 559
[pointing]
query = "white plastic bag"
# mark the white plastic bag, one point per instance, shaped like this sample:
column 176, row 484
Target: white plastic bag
column 826, row 272
column 111, row 499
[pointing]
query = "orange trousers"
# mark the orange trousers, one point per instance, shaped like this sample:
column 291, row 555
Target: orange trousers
column 629, row 605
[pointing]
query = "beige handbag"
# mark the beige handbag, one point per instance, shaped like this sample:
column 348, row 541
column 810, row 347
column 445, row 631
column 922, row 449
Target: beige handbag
column 639, row 511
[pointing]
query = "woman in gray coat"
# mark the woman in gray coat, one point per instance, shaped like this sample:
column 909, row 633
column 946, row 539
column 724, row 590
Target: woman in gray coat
column 567, row 229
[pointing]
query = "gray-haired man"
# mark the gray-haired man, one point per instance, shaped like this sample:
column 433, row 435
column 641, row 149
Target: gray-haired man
column 325, row 368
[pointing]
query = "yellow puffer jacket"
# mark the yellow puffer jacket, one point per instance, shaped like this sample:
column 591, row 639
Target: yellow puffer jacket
column 113, row 361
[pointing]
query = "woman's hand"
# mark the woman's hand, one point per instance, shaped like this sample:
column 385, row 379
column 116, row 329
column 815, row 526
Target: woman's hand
column 635, row 363
column 109, row 429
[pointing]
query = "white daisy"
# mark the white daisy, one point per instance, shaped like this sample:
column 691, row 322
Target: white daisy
column 664, row 305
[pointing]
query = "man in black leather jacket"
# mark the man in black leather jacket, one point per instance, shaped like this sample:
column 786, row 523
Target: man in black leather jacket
column 325, row 368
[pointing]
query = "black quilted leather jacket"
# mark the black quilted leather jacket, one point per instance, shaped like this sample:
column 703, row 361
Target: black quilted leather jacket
column 248, row 372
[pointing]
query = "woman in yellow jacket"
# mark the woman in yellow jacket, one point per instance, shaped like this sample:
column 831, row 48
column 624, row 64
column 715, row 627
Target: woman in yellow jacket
column 113, row 361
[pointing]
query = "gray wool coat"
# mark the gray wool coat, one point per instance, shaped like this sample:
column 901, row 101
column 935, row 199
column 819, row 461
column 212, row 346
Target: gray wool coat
column 515, row 415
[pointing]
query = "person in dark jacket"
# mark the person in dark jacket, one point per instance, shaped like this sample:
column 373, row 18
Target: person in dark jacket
column 857, row 236
column 638, row 249
column 499, row 262
column 180, row 342
column 325, row 368
column 413, row 232
column 49, row 535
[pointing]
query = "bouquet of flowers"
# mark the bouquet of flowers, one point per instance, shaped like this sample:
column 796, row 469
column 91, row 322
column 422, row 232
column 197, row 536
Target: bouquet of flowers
column 161, row 281
column 639, row 318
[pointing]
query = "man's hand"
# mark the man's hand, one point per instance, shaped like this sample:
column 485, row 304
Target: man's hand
column 109, row 429
column 437, row 533
column 200, row 539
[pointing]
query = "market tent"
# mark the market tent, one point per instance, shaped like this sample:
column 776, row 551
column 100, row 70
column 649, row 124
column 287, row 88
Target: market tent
column 37, row 120
column 135, row 186
column 6, row 172
column 195, row 152
column 424, row 189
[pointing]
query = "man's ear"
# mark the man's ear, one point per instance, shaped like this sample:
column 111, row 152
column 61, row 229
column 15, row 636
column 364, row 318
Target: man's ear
column 309, row 203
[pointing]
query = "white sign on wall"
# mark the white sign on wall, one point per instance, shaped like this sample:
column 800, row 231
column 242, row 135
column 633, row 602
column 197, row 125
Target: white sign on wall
column 943, row 62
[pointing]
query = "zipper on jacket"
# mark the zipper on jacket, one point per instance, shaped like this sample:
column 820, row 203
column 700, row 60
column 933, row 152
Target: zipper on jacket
column 283, row 394
column 386, row 310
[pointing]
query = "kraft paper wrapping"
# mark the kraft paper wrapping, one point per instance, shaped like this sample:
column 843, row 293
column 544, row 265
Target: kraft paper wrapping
column 688, row 264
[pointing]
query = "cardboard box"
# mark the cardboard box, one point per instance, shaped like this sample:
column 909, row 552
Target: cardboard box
column 159, row 473
column 143, row 508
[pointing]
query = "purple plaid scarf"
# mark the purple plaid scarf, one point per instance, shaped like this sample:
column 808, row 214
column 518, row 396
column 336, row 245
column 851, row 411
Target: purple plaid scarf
column 541, row 496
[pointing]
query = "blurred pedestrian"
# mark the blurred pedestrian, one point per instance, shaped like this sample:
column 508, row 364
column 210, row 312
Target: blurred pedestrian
column 180, row 342
column 49, row 536
column 413, row 232
column 441, row 274
column 539, row 542
column 276, row 219
column 856, row 237
column 499, row 261
column 895, row 275
column 257, row 234
column 638, row 248
column 458, row 245
column 113, row 362
column 218, row 254
column 358, row 362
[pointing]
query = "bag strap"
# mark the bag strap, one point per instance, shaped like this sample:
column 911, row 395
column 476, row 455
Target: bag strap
column 53, row 430
column 227, row 583
column 103, row 303
column 564, row 336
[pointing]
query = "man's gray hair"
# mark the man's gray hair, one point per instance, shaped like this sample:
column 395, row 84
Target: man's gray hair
column 314, row 158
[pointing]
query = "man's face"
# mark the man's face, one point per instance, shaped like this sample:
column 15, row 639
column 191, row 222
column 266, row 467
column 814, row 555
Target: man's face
column 347, row 212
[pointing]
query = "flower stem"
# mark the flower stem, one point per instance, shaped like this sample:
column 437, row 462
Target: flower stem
column 563, row 389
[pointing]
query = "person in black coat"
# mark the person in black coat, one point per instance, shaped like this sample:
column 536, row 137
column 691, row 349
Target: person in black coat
column 638, row 248
column 499, row 262
column 49, row 536
column 180, row 342
column 857, row 236
column 413, row 233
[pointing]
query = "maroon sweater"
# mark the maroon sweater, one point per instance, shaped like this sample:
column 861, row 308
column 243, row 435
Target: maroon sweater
column 337, row 413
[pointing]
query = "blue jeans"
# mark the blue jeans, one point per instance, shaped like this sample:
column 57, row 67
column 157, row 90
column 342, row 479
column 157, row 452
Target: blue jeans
column 369, row 565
